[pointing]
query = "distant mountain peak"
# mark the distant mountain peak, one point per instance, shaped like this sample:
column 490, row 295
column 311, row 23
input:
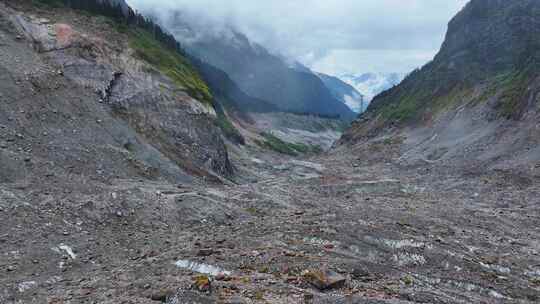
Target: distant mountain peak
column 371, row 84
column 345, row 92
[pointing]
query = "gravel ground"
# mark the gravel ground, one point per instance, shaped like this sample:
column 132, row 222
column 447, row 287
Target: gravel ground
column 393, row 234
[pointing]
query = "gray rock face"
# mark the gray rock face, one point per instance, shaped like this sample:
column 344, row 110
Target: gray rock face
column 117, row 103
column 490, row 36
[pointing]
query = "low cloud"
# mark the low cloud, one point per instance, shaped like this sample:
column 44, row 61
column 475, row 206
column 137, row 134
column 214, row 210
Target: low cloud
column 339, row 36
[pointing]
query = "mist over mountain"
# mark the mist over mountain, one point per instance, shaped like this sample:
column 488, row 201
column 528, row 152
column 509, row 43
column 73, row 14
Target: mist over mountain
column 372, row 84
column 211, row 31
column 322, row 35
column 258, row 72
column 345, row 92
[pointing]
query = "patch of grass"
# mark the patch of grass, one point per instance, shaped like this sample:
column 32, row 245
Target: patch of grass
column 274, row 143
column 395, row 140
column 510, row 88
column 277, row 145
column 408, row 280
column 253, row 211
column 514, row 88
column 492, row 87
column 405, row 109
column 170, row 63
column 259, row 295
column 305, row 148
column 229, row 130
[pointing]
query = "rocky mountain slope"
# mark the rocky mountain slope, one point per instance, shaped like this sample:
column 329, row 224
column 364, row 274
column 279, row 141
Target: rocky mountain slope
column 257, row 72
column 345, row 92
column 477, row 101
column 77, row 90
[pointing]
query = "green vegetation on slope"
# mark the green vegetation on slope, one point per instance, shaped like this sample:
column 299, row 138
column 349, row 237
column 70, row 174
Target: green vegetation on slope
column 170, row 63
column 229, row 130
column 492, row 46
column 276, row 144
column 514, row 90
column 418, row 98
column 151, row 43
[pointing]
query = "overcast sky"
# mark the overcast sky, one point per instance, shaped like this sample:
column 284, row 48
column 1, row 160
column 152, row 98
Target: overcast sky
column 334, row 36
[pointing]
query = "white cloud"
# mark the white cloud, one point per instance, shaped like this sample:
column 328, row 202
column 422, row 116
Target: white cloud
column 353, row 61
column 334, row 36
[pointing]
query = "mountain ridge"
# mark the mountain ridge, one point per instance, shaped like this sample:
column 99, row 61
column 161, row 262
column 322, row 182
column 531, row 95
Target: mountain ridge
column 483, row 83
column 258, row 72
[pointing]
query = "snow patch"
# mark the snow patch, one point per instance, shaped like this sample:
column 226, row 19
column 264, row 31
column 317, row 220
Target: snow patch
column 257, row 161
column 372, row 84
column 406, row 259
column 497, row 268
column 65, row 249
column 201, row 268
column 355, row 102
column 24, row 286
column 398, row 244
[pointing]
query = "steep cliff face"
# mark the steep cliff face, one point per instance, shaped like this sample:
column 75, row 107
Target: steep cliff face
column 489, row 37
column 481, row 89
column 83, row 91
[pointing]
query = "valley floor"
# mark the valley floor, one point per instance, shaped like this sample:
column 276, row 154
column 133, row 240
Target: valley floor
column 375, row 231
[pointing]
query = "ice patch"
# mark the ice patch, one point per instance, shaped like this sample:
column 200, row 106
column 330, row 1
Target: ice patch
column 257, row 161
column 398, row 244
column 7, row 194
column 406, row 259
column 201, row 268
column 494, row 294
column 497, row 268
column 54, row 280
column 24, row 286
column 318, row 241
column 475, row 288
column 355, row 102
column 66, row 249
column 533, row 273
